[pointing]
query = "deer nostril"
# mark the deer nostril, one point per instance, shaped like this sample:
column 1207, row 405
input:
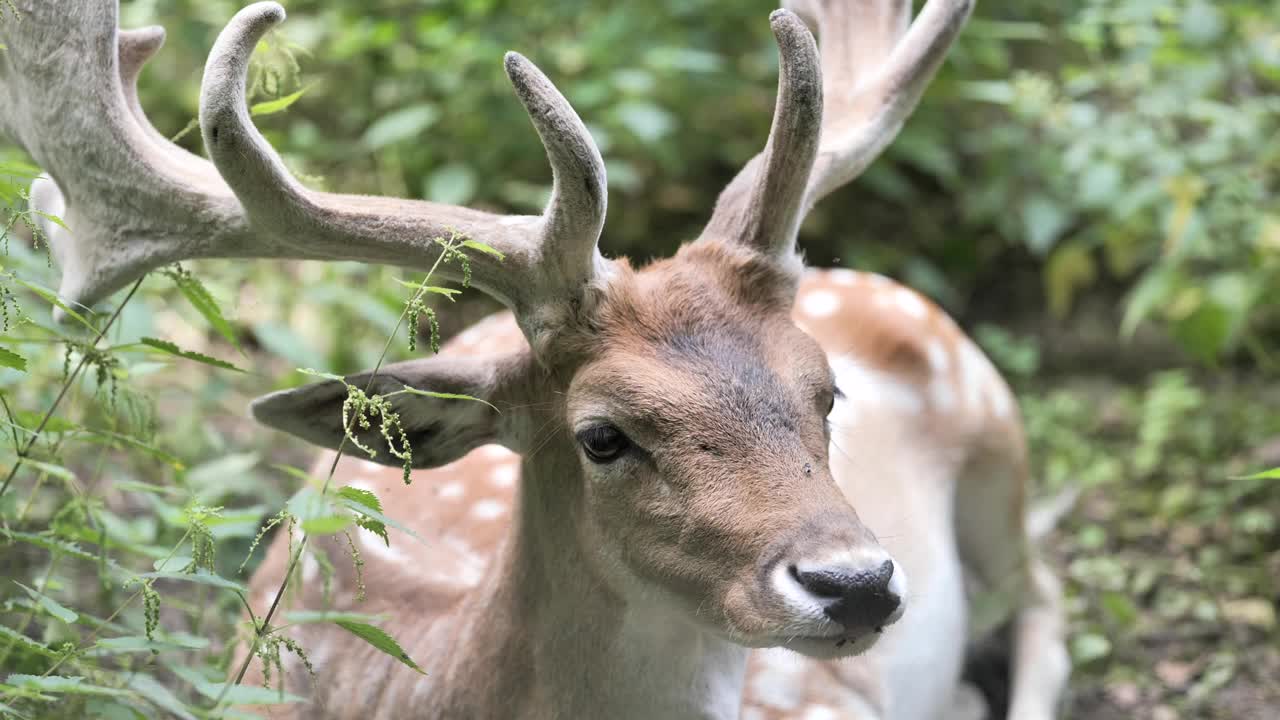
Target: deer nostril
column 852, row 598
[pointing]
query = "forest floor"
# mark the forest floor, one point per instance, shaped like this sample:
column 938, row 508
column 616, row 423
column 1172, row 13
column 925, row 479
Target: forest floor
column 1171, row 555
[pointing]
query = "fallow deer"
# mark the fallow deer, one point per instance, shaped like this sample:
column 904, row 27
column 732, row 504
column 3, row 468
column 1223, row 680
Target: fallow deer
column 653, row 515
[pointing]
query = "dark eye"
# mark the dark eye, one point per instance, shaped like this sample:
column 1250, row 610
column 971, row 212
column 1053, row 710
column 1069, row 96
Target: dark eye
column 603, row 443
column 831, row 404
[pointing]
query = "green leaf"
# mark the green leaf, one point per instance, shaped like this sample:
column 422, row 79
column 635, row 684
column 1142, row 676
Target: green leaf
column 201, row 577
column 1273, row 474
column 198, row 295
column 366, row 505
column 447, row 292
column 52, row 218
column 302, row 617
column 486, row 249
column 454, row 184
column 55, row 470
column 400, row 125
column 11, row 359
column 156, row 694
column 380, row 640
column 170, row 348
column 1087, row 647
column 62, row 684
column 236, row 694
column 445, row 396
column 1044, row 221
column 51, row 606
column 272, row 107
column 9, row 636
column 52, row 298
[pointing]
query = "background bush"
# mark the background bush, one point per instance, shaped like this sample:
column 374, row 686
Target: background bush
column 1090, row 186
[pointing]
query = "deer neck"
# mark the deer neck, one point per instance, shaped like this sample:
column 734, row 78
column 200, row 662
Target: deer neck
column 557, row 640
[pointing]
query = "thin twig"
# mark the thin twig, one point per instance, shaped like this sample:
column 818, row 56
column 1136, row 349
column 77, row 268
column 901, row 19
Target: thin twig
column 84, row 359
column 263, row 628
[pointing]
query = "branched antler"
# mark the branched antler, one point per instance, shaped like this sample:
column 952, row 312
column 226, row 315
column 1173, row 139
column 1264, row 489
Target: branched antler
column 135, row 201
column 875, row 65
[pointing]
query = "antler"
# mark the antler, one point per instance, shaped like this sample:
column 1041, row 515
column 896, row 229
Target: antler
column 135, row 201
column 875, row 65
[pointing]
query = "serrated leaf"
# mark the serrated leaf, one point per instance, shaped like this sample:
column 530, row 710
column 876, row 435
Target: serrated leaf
column 202, row 300
column 50, row 469
column 236, row 694
column 11, row 359
column 380, row 640
column 272, row 107
column 368, row 507
column 170, row 348
column 52, row 218
column 321, row 374
column 202, row 577
column 49, row 543
column 447, row 292
column 486, row 249
column 380, row 518
column 140, row 643
column 52, row 298
column 326, row 524
column 302, row 617
column 62, row 684
column 445, row 396
column 51, row 606
column 9, row 636
column 153, row 692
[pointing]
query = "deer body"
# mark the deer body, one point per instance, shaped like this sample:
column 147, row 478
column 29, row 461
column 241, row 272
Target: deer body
column 922, row 406
column 673, row 529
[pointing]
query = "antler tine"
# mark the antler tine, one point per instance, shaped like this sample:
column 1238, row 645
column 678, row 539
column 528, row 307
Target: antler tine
column 133, row 200
column 877, row 65
column 544, row 255
column 761, row 207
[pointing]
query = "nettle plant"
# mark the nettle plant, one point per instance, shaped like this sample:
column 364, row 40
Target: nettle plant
column 80, row 508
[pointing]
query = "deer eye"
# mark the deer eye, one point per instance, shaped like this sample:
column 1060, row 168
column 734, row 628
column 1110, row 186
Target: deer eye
column 603, row 443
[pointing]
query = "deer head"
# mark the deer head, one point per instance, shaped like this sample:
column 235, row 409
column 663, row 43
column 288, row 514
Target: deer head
column 672, row 418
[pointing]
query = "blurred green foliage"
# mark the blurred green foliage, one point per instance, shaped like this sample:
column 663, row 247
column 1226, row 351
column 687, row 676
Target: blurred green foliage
column 1115, row 146
column 1124, row 149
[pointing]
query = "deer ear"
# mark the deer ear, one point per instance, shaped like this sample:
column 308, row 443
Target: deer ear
column 437, row 427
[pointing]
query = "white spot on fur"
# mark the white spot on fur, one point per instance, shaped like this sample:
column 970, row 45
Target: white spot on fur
column 494, row 452
column 372, row 467
column 450, row 491
column 878, row 279
column 504, row 476
column 819, row 303
column 942, row 394
column 910, row 303
column 1000, row 403
column 488, row 509
column 939, row 359
column 866, row 385
column 821, row 712
column 972, row 372
column 843, row 276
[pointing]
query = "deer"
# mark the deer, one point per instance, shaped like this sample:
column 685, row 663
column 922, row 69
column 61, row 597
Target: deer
column 721, row 485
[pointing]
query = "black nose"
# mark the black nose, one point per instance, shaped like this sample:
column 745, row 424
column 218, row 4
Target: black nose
column 853, row 598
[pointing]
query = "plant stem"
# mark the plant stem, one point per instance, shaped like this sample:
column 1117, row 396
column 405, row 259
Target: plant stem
column 66, row 385
column 263, row 628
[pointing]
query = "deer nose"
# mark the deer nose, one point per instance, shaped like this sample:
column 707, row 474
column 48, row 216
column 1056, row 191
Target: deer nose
column 855, row 598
